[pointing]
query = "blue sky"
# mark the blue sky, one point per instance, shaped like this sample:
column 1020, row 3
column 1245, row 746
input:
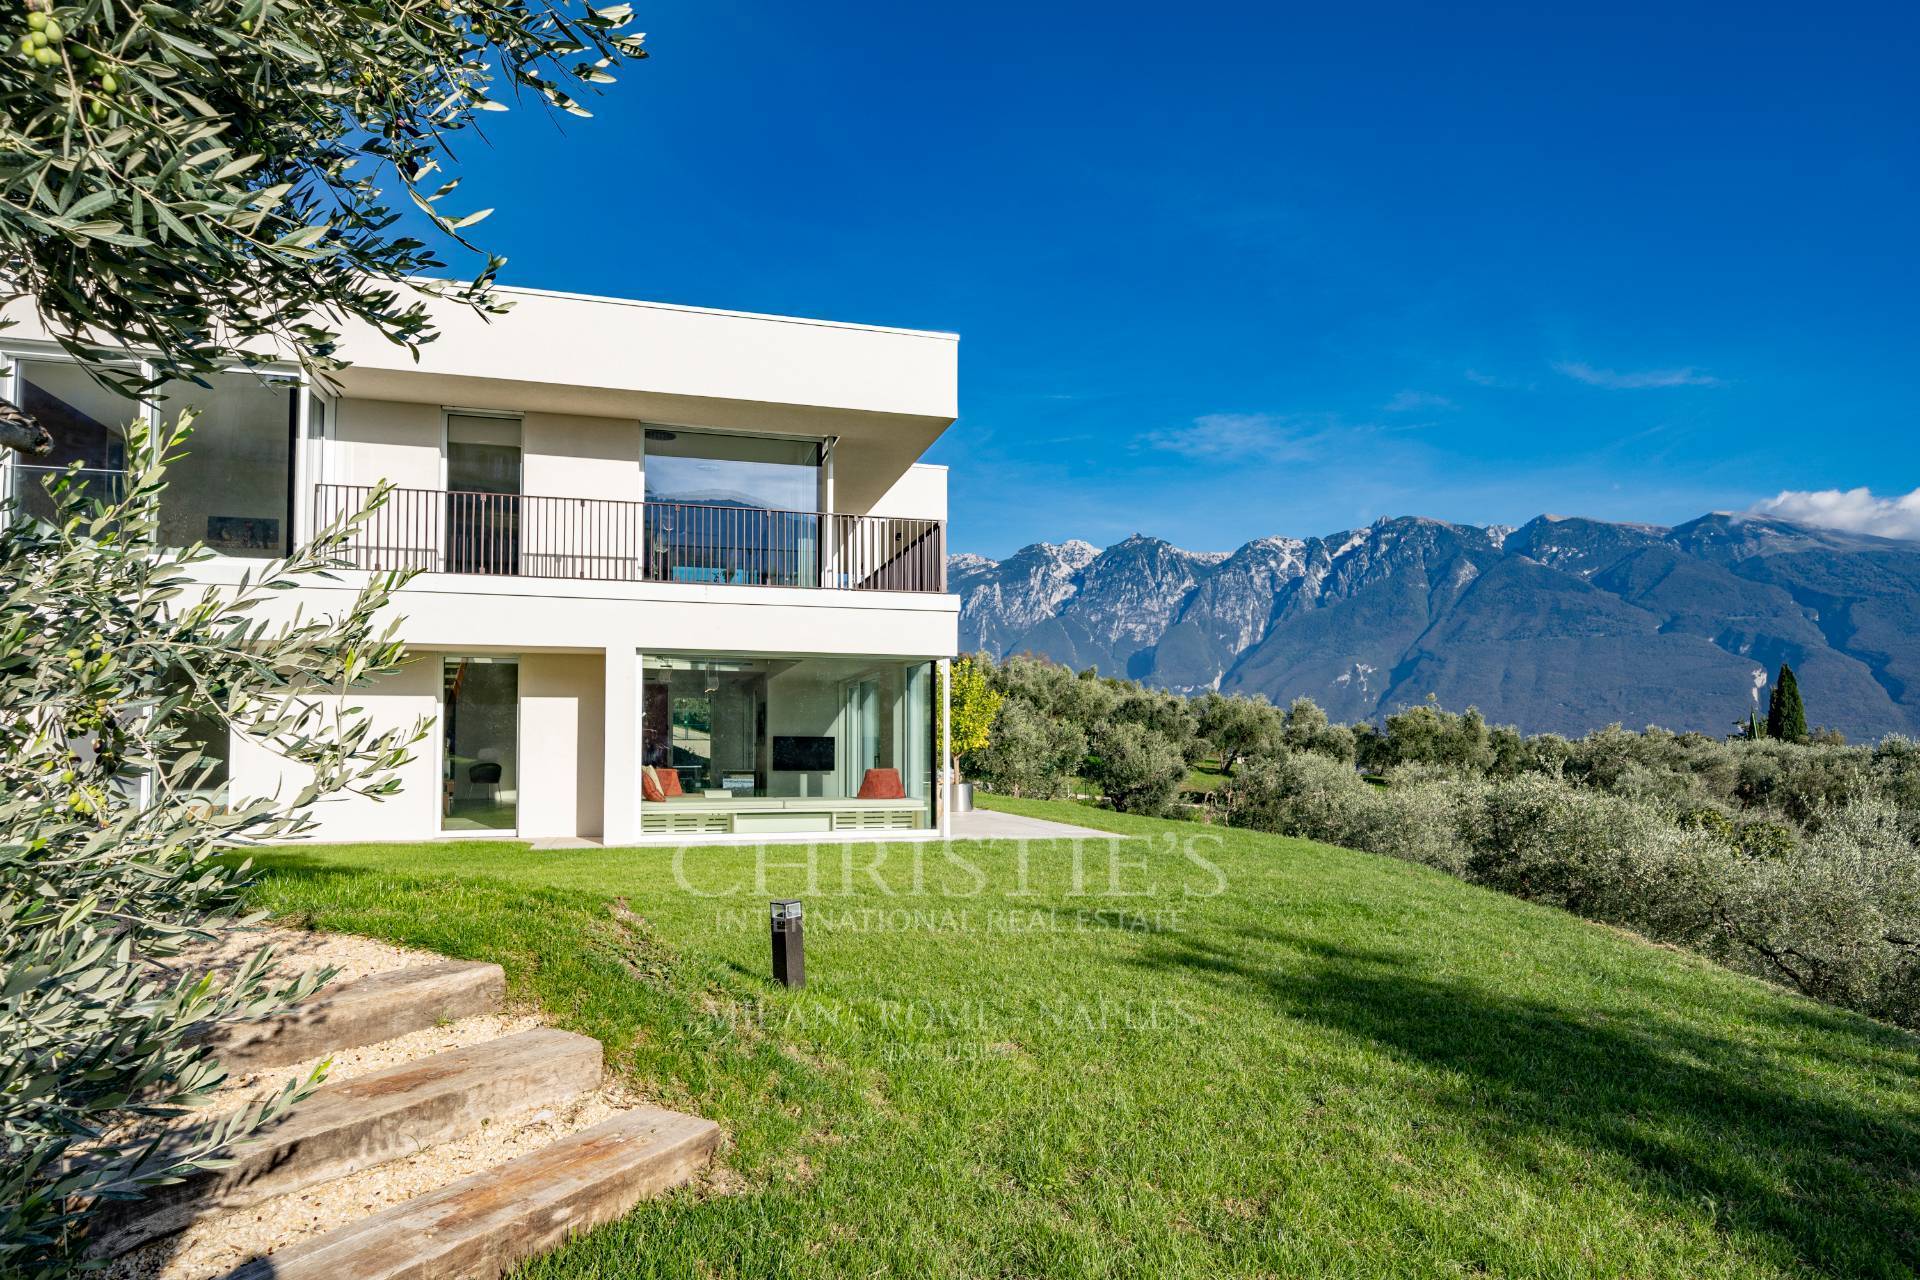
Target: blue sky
column 1225, row 270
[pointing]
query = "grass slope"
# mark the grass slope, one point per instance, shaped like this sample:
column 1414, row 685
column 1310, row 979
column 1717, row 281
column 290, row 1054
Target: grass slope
column 1339, row 1065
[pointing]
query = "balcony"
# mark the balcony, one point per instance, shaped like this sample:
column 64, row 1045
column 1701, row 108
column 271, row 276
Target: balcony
column 607, row 540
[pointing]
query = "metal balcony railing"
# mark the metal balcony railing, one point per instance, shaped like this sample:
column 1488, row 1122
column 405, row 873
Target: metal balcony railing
column 603, row 539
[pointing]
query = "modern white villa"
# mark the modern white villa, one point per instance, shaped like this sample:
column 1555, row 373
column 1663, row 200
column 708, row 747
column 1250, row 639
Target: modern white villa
column 682, row 573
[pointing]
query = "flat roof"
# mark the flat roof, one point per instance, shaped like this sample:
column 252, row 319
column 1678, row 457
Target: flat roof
column 612, row 301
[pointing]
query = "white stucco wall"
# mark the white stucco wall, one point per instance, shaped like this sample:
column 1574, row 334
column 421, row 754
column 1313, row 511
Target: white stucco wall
column 920, row 493
column 576, row 457
column 885, row 393
column 394, row 702
column 582, row 478
column 562, row 721
column 377, row 440
column 580, row 712
column 625, row 344
column 557, row 777
column 476, row 613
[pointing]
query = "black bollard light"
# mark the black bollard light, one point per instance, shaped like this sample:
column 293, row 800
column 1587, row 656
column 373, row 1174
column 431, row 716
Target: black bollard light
column 789, row 944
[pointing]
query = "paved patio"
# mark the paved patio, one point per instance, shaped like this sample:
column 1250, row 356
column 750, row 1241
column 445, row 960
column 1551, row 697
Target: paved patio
column 981, row 824
column 984, row 824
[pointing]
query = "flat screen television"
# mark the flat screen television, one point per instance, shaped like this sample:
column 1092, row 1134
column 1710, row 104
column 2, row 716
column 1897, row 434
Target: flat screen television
column 803, row 755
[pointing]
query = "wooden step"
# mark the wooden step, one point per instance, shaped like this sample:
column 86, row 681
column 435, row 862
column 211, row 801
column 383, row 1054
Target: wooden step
column 479, row 1227
column 384, row 1006
column 370, row 1120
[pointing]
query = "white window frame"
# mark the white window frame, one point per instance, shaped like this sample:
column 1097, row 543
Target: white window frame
column 313, row 457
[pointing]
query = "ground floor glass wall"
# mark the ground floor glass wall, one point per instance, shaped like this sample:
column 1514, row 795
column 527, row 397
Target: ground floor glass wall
column 805, row 737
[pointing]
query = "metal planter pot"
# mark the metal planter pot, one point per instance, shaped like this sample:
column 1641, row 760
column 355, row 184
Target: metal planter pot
column 963, row 797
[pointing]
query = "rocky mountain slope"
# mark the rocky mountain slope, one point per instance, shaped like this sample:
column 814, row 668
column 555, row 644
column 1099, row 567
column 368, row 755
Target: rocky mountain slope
column 1565, row 624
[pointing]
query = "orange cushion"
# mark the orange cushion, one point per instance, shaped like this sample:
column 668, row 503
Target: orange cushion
column 670, row 783
column 882, row 784
column 650, row 788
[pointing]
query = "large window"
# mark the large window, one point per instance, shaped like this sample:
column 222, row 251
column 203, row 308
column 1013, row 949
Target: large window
column 232, row 489
column 88, row 421
column 734, row 510
column 771, row 731
column 706, row 468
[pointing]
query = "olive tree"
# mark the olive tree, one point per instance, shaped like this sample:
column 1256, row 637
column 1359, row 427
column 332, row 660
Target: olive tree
column 210, row 181
column 1138, row 769
column 1238, row 727
column 115, row 674
column 209, row 185
column 1028, row 753
column 1305, row 728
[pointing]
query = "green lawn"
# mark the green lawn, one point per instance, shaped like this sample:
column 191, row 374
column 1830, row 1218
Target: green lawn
column 1339, row 1065
column 1207, row 776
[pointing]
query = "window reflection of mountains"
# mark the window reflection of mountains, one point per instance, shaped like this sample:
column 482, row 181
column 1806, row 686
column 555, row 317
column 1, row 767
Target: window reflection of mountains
column 720, row 498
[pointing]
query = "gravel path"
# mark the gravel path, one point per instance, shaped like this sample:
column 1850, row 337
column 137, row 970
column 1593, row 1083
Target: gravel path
column 299, row 951
column 216, row 1244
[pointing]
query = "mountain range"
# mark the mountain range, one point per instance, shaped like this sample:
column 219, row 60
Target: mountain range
column 1564, row 624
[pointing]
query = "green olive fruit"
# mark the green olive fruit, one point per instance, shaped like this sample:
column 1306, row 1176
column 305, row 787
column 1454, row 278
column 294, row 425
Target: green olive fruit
column 54, row 30
column 36, row 39
column 45, row 57
column 108, row 84
column 35, row 21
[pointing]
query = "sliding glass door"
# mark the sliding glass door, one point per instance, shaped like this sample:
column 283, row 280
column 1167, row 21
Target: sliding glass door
column 863, row 732
column 483, row 494
column 480, row 726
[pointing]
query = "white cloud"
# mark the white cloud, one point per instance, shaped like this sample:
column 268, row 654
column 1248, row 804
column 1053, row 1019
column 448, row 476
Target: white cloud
column 1268, row 436
column 1637, row 379
column 1480, row 378
column 1854, row 510
column 1408, row 401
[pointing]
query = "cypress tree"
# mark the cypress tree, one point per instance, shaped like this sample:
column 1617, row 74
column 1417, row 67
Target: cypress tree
column 1786, row 714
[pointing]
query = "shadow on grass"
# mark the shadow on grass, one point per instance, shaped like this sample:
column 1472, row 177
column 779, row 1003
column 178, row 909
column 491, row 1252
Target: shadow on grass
column 1694, row 1117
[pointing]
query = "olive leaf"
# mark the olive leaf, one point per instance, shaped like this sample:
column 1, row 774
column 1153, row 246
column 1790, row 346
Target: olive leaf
column 195, row 180
column 121, row 683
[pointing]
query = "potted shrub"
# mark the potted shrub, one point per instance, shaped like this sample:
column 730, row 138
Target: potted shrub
column 975, row 702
